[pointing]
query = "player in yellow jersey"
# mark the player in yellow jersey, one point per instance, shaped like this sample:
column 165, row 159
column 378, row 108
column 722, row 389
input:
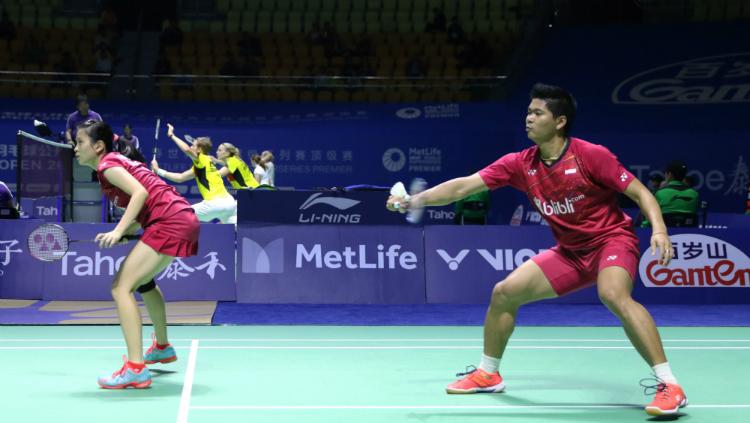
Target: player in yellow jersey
column 217, row 202
column 235, row 169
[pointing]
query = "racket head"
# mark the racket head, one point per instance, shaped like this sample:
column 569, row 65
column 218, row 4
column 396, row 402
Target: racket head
column 48, row 242
column 414, row 215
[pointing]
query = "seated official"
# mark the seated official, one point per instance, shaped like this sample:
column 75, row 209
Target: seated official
column 678, row 202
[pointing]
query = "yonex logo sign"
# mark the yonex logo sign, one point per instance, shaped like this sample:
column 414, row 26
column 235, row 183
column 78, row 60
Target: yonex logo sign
column 453, row 262
column 262, row 259
column 499, row 259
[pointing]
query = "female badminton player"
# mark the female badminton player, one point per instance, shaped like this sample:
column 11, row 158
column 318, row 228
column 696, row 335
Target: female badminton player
column 217, row 202
column 170, row 229
column 235, row 169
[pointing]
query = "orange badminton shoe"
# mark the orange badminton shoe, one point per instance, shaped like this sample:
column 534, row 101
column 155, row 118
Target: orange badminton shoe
column 476, row 381
column 668, row 400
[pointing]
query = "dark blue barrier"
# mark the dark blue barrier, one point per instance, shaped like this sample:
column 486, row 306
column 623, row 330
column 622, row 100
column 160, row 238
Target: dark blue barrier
column 86, row 272
column 315, row 207
column 20, row 274
column 368, row 264
column 329, row 208
column 463, row 264
column 330, row 264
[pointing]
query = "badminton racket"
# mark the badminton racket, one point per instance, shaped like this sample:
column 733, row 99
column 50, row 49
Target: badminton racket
column 156, row 134
column 413, row 214
column 50, row 242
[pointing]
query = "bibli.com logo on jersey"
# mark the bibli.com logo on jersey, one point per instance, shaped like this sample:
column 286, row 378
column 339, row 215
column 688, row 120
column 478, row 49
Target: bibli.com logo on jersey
column 270, row 257
column 700, row 261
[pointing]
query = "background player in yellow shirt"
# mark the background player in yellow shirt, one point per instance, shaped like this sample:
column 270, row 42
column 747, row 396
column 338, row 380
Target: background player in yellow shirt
column 217, row 203
column 235, row 169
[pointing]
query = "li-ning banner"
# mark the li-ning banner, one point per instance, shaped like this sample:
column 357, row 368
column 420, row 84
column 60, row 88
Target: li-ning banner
column 657, row 93
column 315, row 208
column 86, row 271
column 325, row 208
column 330, row 264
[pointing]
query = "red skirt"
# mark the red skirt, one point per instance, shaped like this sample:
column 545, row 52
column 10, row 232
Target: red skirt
column 176, row 237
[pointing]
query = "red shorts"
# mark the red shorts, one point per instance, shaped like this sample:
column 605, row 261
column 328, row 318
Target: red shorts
column 176, row 237
column 568, row 270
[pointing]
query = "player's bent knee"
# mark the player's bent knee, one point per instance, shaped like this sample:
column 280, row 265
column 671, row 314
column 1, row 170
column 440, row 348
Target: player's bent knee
column 614, row 300
column 501, row 294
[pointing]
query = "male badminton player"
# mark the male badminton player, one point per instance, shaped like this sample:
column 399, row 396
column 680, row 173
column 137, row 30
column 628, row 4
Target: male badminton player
column 170, row 229
column 235, row 169
column 574, row 184
column 217, row 202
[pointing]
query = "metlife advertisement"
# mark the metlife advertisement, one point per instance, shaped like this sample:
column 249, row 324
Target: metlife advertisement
column 330, row 264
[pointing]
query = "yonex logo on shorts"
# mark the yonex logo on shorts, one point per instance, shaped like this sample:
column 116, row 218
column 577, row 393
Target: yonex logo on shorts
column 611, row 258
column 257, row 259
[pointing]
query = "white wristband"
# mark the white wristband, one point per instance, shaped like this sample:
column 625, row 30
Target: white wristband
column 161, row 172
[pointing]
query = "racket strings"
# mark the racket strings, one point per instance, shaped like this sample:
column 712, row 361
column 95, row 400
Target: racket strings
column 48, row 242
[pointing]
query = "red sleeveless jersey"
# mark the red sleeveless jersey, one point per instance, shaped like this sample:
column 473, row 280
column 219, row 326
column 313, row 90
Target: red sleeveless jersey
column 577, row 195
column 163, row 202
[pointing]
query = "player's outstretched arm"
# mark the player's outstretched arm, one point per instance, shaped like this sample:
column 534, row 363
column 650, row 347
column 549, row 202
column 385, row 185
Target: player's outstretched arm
column 450, row 191
column 172, row 176
column 182, row 145
column 637, row 192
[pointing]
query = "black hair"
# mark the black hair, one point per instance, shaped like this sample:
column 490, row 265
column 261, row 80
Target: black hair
column 81, row 98
column 99, row 131
column 678, row 169
column 559, row 101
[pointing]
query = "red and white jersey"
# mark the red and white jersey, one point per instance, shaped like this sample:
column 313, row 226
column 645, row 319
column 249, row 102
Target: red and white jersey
column 163, row 202
column 577, row 195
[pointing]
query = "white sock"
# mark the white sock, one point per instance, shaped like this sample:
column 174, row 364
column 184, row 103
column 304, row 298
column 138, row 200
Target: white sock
column 664, row 372
column 489, row 364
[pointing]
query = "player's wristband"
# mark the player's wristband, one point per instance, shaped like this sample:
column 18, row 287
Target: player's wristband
column 161, row 172
column 660, row 232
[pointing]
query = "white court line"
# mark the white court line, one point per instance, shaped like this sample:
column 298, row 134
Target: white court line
column 187, row 386
column 449, row 347
column 436, row 407
column 376, row 347
column 148, row 341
